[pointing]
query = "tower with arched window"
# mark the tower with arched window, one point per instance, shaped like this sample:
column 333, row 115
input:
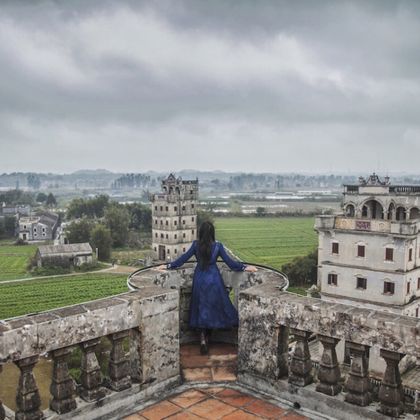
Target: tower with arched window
column 369, row 255
column 174, row 217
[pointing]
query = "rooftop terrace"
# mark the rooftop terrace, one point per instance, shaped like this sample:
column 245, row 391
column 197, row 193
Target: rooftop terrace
column 273, row 361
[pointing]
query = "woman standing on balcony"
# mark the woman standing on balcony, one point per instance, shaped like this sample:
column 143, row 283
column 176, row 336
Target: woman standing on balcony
column 210, row 306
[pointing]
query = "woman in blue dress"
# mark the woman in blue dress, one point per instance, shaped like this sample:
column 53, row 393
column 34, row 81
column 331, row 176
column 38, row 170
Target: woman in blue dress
column 210, row 306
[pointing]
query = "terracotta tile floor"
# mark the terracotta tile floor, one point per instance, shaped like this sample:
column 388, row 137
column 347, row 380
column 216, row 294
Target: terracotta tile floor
column 214, row 402
column 218, row 365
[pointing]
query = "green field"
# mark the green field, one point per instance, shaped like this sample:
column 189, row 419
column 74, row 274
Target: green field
column 30, row 296
column 270, row 241
column 14, row 260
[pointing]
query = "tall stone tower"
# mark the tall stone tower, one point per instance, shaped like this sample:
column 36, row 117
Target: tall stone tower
column 369, row 255
column 174, row 217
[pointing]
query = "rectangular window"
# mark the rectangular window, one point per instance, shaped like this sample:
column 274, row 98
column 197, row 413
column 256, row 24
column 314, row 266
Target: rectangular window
column 161, row 222
column 332, row 279
column 167, row 236
column 418, row 283
column 192, row 206
column 161, row 208
column 176, row 251
column 156, row 222
column 183, row 249
column 183, row 235
column 156, row 235
column 183, row 222
column 417, row 312
column 168, row 251
column 389, row 254
column 410, row 254
column 166, row 223
column 192, row 231
column 183, row 208
column 176, row 236
column 408, row 287
column 155, row 249
column 192, row 219
column 161, row 235
column 166, row 208
column 361, row 283
column 360, row 251
column 335, row 248
column 175, row 208
column 389, row 288
column 175, row 222
column 155, row 207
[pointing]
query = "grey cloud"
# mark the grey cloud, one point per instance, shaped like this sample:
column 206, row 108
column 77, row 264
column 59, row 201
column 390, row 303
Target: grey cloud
column 314, row 86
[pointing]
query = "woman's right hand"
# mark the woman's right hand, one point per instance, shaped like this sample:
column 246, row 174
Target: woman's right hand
column 161, row 268
column 251, row 268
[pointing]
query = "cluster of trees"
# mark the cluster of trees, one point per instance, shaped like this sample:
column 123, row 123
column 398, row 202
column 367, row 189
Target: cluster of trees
column 106, row 224
column 133, row 181
column 33, row 181
column 19, row 197
column 7, row 227
column 302, row 271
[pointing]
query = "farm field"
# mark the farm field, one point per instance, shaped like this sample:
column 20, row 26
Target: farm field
column 40, row 295
column 14, row 260
column 271, row 241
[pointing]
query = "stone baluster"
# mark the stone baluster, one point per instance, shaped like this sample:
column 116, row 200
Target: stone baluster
column 283, row 351
column 62, row 388
column 357, row 385
column 329, row 371
column 28, row 400
column 119, row 363
column 390, row 391
column 2, row 413
column 91, row 377
column 301, row 364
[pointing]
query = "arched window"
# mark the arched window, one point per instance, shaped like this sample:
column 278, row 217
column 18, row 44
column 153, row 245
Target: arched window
column 415, row 213
column 400, row 213
column 350, row 211
column 373, row 209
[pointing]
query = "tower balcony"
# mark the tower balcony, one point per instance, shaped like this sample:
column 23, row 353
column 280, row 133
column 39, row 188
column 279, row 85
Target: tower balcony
column 144, row 329
column 404, row 228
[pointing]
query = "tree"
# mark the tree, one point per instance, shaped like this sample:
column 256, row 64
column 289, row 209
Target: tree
column 79, row 231
column 41, row 197
column 92, row 207
column 204, row 216
column 101, row 239
column 117, row 219
column 260, row 211
column 51, row 201
column 302, row 270
column 33, row 181
column 140, row 216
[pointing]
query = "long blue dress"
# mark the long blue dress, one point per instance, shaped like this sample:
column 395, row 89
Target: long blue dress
column 210, row 304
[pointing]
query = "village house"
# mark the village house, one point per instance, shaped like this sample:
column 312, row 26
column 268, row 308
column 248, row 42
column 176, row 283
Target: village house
column 64, row 255
column 38, row 228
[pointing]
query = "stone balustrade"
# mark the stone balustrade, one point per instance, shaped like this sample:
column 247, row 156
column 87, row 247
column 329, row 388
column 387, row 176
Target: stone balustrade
column 268, row 316
column 148, row 318
column 181, row 280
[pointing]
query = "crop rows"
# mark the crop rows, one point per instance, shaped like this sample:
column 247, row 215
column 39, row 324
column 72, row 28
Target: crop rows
column 40, row 295
column 268, row 241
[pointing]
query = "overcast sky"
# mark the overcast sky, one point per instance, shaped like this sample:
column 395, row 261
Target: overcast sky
column 314, row 86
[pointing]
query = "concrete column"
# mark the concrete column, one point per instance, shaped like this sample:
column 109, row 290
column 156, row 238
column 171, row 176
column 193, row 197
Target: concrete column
column 283, row 351
column 136, row 352
column 390, row 391
column 119, row 363
column 357, row 384
column 91, row 378
column 62, row 388
column 28, row 400
column 2, row 413
column 301, row 364
column 329, row 371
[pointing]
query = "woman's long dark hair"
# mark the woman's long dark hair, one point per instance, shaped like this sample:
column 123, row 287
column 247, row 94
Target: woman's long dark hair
column 205, row 241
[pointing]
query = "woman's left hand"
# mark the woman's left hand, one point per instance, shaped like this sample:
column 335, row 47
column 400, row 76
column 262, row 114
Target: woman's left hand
column 251, row 268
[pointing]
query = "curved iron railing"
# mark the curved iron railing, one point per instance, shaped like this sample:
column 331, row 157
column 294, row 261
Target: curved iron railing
column 134, row 273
